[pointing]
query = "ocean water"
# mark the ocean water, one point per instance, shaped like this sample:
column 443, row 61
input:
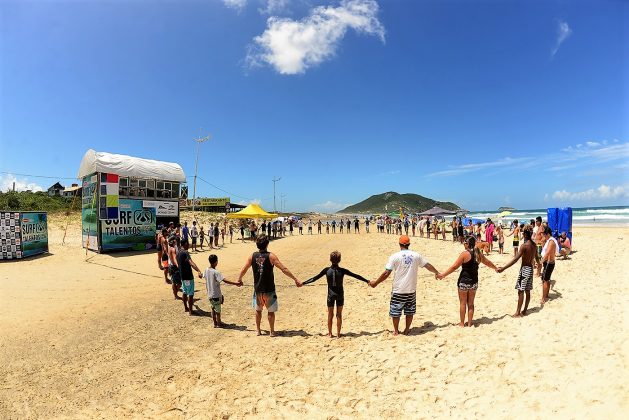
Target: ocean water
column 591, row 216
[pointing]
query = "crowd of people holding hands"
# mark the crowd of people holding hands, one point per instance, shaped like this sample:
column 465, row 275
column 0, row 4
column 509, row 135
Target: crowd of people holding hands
column 533, row 244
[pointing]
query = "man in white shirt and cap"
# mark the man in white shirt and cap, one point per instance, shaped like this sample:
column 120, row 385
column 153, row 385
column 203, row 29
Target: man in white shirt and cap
column 403, row 296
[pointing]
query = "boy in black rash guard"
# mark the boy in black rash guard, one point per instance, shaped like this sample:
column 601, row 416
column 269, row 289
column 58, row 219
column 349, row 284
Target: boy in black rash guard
column 334, row 275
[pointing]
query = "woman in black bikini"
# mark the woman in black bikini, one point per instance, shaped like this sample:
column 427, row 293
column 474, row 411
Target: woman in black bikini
column 460, row 231
column 467, row 283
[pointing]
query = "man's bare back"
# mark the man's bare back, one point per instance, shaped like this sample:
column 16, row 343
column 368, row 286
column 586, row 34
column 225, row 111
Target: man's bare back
column 529, row 253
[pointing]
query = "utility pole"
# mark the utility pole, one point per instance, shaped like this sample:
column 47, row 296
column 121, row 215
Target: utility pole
column 274, row 181
column 199, row 140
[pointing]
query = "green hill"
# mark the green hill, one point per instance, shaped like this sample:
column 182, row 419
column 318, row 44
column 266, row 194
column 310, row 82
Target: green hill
column 392, row 201
column 37, row 201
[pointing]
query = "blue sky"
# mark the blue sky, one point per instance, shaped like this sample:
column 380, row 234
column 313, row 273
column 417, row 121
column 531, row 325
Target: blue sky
column 484, row 103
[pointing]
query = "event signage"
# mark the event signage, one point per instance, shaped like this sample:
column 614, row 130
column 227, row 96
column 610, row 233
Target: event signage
column 10, row 236
column 134, row 228
column 163, row 208
column 34, row 227
column 89, row 213
column 209, row 202
column 23, row 234
column 109, row 198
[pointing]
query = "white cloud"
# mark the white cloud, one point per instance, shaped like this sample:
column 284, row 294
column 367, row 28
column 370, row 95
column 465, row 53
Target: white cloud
column 247, row 202
column 561, row 168
column 563, row 32
column 595, row 153
column 22, row 184
column 391, row 172
column 330, row 206
column 602, row 192
column 237, row 5
column 274, row 6
column 473, row 167
column 291, row 47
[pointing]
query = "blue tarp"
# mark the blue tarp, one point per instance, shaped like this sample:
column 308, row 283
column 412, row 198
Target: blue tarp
column 560, row 220
column 466, row 221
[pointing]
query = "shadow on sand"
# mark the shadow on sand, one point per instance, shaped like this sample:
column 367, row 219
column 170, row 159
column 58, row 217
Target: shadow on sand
column 359, row 334
column 427, row 327
column 486, row 321
column 29, row 258
column 89, row 261
column 292, row 333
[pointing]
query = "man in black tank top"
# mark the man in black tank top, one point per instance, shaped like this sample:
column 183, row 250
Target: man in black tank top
column 262, row 263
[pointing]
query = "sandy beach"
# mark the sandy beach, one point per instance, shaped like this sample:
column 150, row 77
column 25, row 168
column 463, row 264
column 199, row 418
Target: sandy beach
column 101, row 336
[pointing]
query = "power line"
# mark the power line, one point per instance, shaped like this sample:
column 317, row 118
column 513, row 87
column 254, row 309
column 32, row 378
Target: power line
column 225, row 191
column 37, row 176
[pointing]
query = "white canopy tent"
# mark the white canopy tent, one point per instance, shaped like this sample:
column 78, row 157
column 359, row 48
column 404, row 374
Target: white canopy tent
column 128, row 166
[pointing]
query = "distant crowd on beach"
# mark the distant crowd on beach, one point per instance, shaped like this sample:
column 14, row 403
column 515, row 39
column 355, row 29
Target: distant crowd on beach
column 533, row 244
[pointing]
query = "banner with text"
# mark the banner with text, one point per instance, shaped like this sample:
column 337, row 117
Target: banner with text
column 89, row 213
column 208, row 202
column 134, row 228
column 163, row 208
column 34, row 228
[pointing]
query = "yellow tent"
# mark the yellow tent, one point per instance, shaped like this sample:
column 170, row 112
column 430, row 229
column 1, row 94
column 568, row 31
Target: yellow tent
column 252, row 211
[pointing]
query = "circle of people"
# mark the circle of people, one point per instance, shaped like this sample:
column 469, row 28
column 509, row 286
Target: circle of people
column 537, row 251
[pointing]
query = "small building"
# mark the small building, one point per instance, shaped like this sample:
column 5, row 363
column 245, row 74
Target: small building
column 56, row 189
column 211, row 205
column 126, row 199
column 73, row 191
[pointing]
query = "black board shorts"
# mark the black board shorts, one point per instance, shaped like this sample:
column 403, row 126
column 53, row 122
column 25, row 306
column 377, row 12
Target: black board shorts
column 547, row 271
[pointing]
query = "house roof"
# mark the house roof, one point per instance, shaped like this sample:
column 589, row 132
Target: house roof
column 130, row 166
column 56, row 186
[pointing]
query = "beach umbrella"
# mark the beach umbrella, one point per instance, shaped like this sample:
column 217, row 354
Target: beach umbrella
column 436, row 211
column 504, row 213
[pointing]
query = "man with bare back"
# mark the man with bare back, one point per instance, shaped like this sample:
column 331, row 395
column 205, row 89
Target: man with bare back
column 524, row 284
column 264, row 296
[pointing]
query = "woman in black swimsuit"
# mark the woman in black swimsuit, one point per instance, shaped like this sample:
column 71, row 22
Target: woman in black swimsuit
column 467, row 283
column 460, row 231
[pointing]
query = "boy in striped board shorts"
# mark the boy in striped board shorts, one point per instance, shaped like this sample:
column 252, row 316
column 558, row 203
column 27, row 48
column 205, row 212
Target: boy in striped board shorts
column 524, row 283
column 403, row 296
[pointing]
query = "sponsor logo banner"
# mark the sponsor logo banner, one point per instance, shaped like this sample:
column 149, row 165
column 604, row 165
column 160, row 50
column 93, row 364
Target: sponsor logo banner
column 34, row 228
column 163, row 208
column 134, row 228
